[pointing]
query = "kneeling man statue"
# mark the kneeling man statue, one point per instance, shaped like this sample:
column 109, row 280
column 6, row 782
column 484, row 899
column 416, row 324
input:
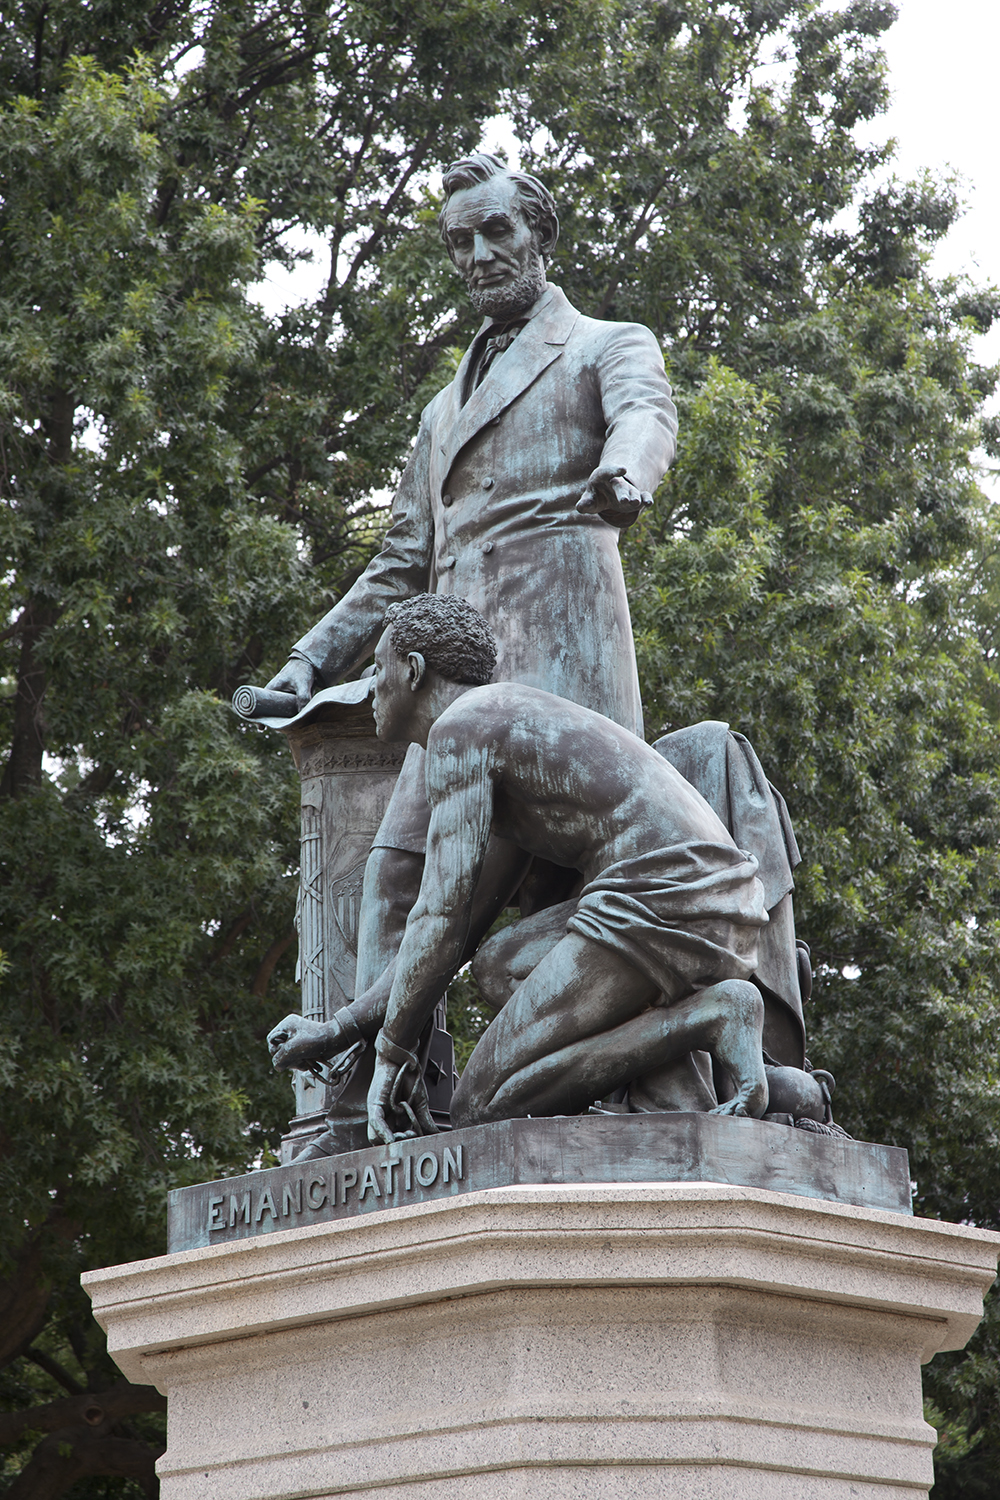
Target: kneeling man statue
column 654, row 959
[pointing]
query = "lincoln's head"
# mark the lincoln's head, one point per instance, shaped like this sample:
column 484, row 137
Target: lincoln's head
column 432, row 648
column 500, row 227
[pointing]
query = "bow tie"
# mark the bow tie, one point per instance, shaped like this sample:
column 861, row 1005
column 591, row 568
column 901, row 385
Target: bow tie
column 499, row 338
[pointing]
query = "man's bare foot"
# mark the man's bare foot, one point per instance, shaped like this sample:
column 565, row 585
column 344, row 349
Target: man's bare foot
column 737, row 1043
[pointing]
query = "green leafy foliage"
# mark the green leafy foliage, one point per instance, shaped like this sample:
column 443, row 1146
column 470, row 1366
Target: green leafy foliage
column 186, row 484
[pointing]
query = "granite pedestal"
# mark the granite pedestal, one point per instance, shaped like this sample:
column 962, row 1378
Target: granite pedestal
column 675, row 1340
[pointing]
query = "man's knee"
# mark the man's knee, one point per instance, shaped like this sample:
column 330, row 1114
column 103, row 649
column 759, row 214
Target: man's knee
column 462, row 1108
column 738, row 998
column 474, row 1093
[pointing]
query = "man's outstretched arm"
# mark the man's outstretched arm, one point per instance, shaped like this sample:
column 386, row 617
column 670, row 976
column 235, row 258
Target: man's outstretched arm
column 432, row 949
column 433, row 944
column 641, row 418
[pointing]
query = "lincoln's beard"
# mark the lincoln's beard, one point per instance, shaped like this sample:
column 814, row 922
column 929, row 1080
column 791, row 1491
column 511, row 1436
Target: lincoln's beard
column 513, row 297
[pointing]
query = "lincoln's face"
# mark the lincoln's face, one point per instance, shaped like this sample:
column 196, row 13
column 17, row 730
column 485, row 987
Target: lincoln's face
column 393, row 699
column 494, row 247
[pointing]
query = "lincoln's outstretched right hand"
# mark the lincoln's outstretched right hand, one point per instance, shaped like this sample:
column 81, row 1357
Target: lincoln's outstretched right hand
column 297, row 676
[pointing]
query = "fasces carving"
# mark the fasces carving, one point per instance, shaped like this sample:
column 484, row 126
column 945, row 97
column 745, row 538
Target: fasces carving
column 311, row 903
column 343, row 884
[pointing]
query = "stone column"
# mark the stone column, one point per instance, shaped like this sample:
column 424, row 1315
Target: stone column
column 660, row 1341
column 347, row 779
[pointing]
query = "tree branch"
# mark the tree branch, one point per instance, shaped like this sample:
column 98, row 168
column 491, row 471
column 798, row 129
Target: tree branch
column 628, row 244
column 73, row 1453
column 15, row 629
column 53, row 1368
column 231, row 938
column 368, row 248
column 89, row 1409
column 268, row 964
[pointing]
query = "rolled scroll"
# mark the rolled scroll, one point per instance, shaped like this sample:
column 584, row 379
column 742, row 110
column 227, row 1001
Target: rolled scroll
column 263, row 703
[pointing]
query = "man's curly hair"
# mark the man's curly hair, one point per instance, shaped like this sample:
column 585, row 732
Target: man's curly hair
column 450, row 635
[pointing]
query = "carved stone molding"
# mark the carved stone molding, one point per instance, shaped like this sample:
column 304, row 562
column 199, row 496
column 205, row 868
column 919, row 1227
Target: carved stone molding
column 333, row 758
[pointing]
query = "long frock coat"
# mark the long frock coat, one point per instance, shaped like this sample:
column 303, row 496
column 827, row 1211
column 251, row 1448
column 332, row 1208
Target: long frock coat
column 486, row 508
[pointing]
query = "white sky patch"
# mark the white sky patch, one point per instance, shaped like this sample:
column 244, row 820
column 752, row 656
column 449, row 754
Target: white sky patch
column 303, row 284
column 942, row 72
column 191, row 57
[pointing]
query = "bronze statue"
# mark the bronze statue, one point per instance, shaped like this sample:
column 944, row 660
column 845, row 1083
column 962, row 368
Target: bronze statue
column 551, row 438
column 655, row 957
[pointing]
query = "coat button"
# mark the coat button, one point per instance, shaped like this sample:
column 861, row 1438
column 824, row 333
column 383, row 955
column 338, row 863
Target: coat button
column 487, row 546
column 449, row 562
column 494, row 422
column 447, row 499
column 488, row 484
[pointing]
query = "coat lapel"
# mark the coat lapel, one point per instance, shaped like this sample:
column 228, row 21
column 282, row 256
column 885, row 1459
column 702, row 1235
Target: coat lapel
column 535, row 348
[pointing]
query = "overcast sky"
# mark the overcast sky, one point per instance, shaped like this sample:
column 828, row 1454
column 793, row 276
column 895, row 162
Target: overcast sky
column 943, row 64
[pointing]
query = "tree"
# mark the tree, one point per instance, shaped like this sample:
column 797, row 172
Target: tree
column 186, row 484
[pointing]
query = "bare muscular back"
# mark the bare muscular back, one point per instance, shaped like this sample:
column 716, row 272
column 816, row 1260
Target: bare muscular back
column 561, row 781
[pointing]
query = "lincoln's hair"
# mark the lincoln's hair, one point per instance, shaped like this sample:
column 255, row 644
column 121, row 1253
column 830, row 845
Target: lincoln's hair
column 536, row 202
column 450, row 635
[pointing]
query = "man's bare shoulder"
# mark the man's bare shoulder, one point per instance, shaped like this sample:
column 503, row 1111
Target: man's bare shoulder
column 501, row 712
column 495, row 704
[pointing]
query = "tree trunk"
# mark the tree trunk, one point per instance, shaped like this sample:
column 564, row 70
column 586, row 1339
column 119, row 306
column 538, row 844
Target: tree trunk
column 23, row 772
column 24, row 1302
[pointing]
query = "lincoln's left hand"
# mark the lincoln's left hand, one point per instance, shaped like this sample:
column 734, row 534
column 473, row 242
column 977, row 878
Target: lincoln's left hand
column 613, row 497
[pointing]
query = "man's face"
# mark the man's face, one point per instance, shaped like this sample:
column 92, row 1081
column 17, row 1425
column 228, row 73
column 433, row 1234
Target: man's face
column 493, row 246
column 392, row 703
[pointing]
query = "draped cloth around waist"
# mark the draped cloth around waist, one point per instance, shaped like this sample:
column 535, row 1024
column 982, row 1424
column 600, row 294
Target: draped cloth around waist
column 686, row 916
